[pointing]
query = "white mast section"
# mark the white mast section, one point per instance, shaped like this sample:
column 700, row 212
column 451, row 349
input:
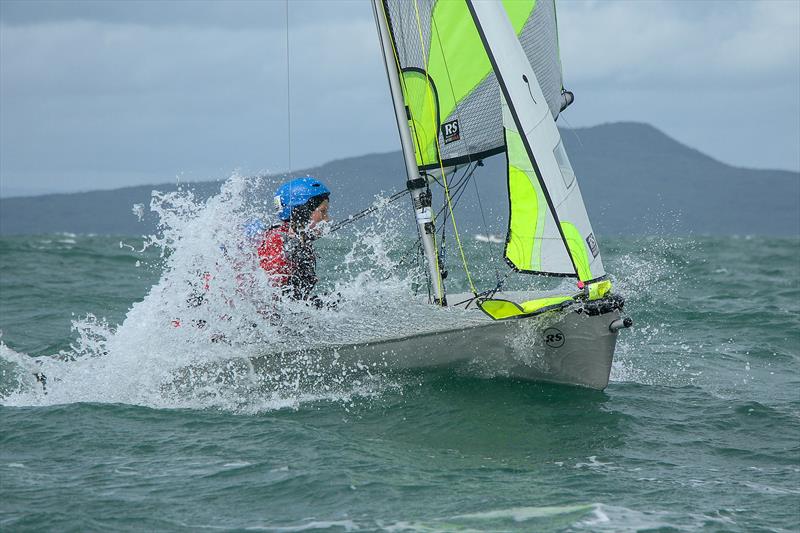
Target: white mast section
column 417, row 184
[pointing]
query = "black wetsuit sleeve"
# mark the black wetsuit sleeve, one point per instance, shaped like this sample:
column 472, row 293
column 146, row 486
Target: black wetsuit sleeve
column 303, row 260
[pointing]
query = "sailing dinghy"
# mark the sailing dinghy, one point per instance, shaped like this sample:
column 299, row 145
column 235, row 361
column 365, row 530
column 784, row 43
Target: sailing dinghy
column 469, row 80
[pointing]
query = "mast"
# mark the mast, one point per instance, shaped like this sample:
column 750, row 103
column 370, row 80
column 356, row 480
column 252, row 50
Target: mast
column 416, row 182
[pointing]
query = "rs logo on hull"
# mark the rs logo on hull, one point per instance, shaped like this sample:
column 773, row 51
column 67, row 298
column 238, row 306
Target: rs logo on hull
column 554, row 338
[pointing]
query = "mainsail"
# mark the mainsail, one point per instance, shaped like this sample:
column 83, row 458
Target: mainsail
column 483, row 78
column 440, row 52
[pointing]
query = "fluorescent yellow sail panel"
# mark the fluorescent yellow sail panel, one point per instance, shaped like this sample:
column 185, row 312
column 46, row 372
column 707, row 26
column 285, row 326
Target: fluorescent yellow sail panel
column 577, row 250
column 457, row 59
column 420, row 96
column 599, row 290
column 528, row 208
column 456, row 64
column 503, row 309
column 522, row 231
column 518, row 12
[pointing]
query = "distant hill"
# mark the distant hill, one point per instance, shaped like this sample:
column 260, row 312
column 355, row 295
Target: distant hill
column 634, row 180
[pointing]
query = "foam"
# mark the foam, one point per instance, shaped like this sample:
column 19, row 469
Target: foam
column 148, row 361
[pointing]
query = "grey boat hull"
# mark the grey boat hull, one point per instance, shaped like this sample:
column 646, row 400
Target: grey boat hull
column 569, row 347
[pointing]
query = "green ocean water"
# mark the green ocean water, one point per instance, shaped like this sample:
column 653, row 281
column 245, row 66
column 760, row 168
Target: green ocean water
column 699, row 429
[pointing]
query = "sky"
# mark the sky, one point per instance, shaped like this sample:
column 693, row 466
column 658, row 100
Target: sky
column 105, row 94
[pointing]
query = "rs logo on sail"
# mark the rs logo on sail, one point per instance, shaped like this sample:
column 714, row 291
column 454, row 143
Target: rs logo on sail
column 451, row 132
column 592, row 242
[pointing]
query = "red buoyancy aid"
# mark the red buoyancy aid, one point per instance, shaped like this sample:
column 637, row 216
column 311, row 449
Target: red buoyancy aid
column 290, row 260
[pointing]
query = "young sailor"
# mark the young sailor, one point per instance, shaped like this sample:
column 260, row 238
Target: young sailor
column 286, row 251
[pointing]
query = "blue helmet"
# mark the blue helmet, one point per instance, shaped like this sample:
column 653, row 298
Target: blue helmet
column 297, row 193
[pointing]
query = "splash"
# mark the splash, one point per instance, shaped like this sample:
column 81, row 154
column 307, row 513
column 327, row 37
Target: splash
column 211, row 332
column 651, row 276
column 192, row 341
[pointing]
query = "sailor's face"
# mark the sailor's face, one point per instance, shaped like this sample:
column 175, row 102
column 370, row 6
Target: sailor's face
column 320, row 214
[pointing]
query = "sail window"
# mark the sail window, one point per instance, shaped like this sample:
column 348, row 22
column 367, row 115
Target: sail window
column 563, row 163
column 438, row 39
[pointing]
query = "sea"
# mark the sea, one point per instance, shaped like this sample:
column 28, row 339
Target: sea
column 129, row 428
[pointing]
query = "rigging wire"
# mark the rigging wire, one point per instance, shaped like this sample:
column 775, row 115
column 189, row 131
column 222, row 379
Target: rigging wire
column 469, row 155
column 288, row 93
column 561, row 72
column 368, row 211
column 441, row 165
column 457, row 192
column 415, row 250
column 485, row 225
column 571, row 129
column 452, row 193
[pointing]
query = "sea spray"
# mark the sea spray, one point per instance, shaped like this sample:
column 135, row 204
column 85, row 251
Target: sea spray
column 189, row 342
column 650, row 277
column 193, row 339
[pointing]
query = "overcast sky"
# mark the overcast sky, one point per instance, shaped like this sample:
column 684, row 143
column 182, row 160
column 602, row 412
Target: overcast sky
column 103, row 94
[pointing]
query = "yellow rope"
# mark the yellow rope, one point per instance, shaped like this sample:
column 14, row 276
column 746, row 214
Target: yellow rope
column 439, row 147
column 419, row 148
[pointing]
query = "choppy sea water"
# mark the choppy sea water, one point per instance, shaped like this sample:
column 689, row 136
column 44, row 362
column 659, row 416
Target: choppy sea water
column 699, row 429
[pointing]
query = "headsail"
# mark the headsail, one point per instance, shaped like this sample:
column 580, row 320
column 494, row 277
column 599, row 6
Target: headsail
column 549, row 230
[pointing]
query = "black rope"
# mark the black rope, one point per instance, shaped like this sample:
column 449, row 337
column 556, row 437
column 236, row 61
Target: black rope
column 487, row 294
column 456, row 191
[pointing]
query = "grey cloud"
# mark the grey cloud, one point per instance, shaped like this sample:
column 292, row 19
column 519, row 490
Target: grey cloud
column 104, row 92
column 138, row 99
column 723, row 77
column 681, row 44
column 231, row 14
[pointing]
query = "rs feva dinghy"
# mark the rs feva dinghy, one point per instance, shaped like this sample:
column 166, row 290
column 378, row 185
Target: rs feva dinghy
column 469, row 80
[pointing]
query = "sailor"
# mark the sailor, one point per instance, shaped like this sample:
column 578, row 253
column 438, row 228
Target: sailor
column 286, row 250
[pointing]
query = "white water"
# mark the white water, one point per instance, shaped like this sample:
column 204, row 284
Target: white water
column 147, row 360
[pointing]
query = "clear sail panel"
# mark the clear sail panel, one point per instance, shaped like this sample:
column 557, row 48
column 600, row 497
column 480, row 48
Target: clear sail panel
column 451, row 93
